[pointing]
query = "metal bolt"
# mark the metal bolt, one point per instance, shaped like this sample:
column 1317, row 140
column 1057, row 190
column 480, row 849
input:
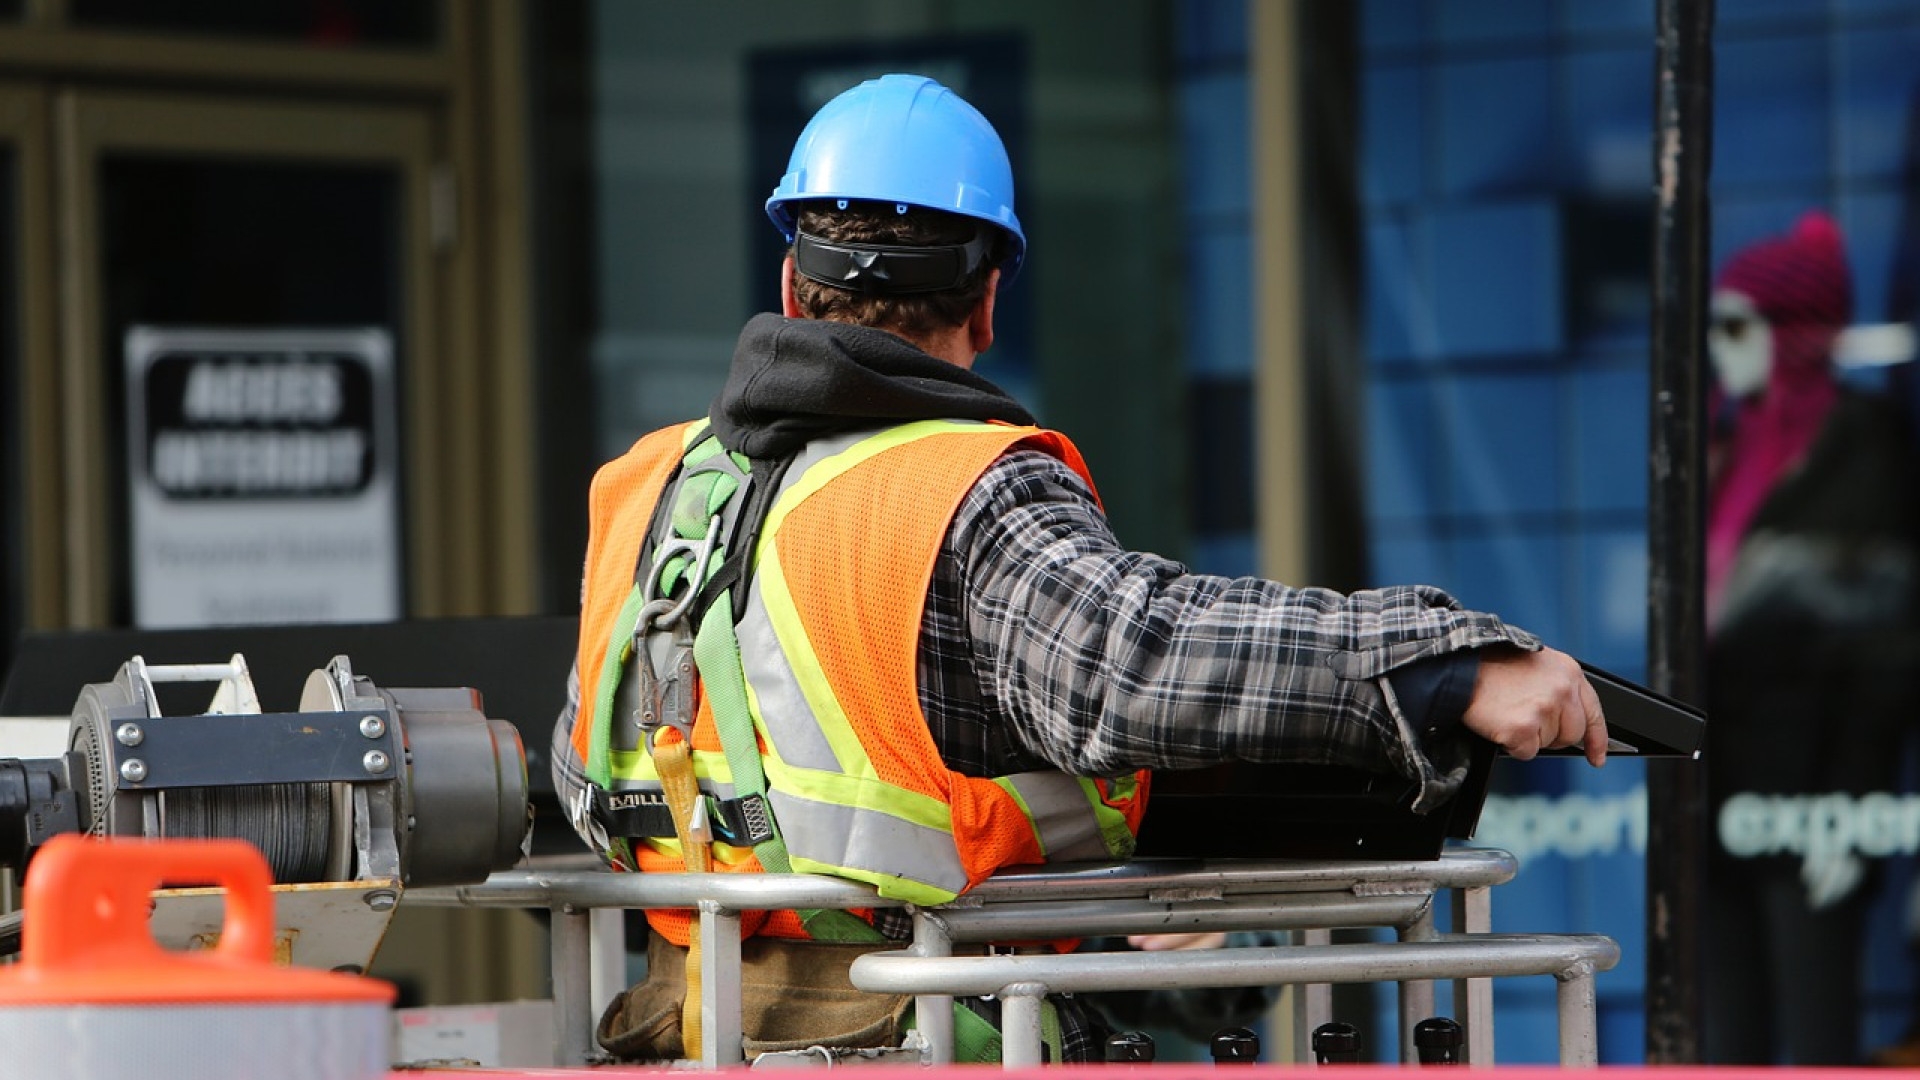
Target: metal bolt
column 381, row 899
column 129, row 734
column 375, row 762
column 133, row 770
column 372, row 727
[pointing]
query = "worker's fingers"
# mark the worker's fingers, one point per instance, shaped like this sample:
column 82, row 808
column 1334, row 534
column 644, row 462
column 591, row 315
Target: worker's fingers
column 1581, row 723
column 1596, row 724
column 1522, row 743
column 1533, row 701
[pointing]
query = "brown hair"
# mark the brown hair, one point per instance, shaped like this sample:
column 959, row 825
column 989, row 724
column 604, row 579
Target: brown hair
column 912, row 315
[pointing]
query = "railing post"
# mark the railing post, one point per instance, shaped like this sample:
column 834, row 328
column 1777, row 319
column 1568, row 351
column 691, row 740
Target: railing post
column 720, row 986
column 933, row 1013
column 1579, row 1026
column 1020, row 1040
column 1472, row 913
column 1416, row 995
column 572, row 1010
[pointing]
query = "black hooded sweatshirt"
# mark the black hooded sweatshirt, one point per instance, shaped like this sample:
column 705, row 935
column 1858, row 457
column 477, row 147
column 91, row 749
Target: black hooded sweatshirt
column 795, row 380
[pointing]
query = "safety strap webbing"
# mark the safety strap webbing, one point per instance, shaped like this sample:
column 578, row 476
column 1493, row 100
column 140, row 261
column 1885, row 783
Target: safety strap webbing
column 673, row 759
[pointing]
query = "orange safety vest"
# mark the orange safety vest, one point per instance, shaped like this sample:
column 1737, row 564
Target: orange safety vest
column 829, row 643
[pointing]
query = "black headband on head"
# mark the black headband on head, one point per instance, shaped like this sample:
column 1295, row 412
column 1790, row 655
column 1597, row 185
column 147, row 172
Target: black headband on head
column 888, row 269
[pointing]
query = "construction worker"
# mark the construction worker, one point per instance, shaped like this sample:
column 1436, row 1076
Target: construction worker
column 866, row 619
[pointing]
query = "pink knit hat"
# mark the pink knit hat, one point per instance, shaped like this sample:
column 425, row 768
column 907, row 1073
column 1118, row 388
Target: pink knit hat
column 1801, row 286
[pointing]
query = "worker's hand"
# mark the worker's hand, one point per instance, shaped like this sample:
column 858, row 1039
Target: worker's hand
column 1162, row 942
column 1533, row 701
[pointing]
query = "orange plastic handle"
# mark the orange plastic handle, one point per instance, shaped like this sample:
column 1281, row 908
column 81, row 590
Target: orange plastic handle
column 89, row 898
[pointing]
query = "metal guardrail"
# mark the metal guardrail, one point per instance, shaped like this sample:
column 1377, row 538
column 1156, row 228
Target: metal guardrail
column 1148, row 896
column 1021, row 981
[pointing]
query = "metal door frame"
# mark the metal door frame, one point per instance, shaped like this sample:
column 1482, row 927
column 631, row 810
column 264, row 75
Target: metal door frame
column 471, row 497
column 23, row 123
column 90, row 125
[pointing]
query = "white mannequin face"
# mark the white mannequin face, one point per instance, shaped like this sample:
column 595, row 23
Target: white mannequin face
column 1740, row 344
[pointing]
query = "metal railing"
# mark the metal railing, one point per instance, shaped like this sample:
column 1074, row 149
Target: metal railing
column 1309, row 899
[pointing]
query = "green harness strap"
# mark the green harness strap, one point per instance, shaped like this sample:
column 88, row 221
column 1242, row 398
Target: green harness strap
column 716, row 498
column 977, row 1042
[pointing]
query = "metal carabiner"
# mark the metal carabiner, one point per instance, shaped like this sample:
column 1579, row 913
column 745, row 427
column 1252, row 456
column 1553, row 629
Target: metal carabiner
column 696, row 577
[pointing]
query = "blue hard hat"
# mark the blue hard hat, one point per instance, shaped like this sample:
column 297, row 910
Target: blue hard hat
column 908, row 140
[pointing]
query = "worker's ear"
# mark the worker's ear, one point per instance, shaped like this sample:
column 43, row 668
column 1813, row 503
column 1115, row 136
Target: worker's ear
column 980, row 323
column 788, row 305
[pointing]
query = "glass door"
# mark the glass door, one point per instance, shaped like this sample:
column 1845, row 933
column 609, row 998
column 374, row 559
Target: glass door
column 225, row 262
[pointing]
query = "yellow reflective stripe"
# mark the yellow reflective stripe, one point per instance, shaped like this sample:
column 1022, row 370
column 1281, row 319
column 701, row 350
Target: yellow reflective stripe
column 1113, row 824
column 1026, row 811
column 819, row 475
column 866, row 794
column 723, row 854
column 900, row 858
column 891, row 886
column 1065, row 814
column 774, row 691
column 637, row 765
column 798, row 653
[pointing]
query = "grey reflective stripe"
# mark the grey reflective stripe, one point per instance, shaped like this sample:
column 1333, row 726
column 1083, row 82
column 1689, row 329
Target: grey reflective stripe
column 1068, row 828
column 788, row 723
column 869, row 841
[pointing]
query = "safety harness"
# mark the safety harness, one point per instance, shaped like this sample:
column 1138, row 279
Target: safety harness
column 682, row 643
column 675, row 640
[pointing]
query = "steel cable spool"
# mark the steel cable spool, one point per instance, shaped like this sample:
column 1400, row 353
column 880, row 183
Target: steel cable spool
column 419, row 786
column 291, row 824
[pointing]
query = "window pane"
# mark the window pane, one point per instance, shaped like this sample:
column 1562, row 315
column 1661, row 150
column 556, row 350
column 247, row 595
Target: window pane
column 695, row 112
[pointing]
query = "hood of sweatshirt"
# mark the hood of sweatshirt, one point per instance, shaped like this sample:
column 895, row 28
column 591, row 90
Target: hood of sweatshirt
column 795, row 380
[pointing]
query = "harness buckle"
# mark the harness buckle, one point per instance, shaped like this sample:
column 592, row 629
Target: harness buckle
column 747, row 820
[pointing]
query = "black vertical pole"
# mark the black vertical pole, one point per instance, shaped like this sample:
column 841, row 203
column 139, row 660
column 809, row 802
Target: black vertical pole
column 1676, row 518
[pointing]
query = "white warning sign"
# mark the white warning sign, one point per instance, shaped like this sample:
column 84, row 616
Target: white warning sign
column 262, row 476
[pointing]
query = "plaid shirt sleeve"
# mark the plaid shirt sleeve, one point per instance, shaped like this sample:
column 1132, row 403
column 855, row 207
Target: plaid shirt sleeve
column 1107, row 660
